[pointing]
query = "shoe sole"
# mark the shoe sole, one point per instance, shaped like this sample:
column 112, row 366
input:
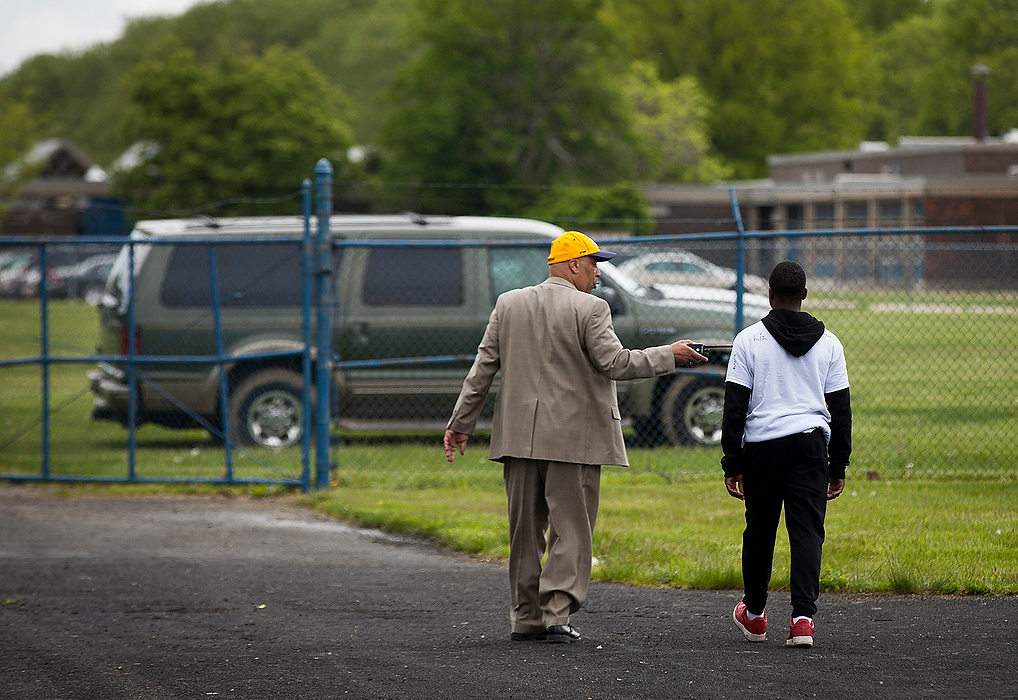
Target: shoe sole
column 804, row 642
column 746, row 633
column 560, row 639
column 527, row 637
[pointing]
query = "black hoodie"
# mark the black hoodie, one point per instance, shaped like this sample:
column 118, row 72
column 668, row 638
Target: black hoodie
column 797, row 332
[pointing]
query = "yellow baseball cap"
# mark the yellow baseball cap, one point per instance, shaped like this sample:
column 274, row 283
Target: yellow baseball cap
column 573, row 244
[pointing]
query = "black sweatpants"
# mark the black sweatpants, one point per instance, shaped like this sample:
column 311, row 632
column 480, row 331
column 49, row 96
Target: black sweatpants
column 792, row 471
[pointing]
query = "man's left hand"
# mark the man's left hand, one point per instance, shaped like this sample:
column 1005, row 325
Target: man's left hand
column 452, row 441
column 834, row 488
column 734, row 486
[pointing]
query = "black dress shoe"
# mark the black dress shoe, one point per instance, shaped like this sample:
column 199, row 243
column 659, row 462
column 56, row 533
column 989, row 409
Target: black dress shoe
column 561, row 634
column 527, row 636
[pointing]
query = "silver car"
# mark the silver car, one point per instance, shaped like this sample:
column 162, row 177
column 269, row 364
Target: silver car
column 680, row 267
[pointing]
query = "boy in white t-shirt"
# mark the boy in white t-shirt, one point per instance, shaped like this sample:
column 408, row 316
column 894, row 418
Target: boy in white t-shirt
column 787, row 437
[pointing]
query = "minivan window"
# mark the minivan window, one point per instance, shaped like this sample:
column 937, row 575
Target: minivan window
column 517, row 266
column 413, row 276
column 258, row 274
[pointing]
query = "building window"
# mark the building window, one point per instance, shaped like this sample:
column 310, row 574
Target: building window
column 891, row 271
column 795, row 214
column 857, row 214
column 890, row 213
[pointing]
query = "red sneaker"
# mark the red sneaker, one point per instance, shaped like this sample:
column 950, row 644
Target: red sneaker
column 753, row 630
column 800, row 634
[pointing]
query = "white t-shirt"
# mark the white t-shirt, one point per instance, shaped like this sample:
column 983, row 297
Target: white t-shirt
column 787, row 392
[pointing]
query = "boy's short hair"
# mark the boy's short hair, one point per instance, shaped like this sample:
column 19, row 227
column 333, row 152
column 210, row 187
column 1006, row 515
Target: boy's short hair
column 788, row 280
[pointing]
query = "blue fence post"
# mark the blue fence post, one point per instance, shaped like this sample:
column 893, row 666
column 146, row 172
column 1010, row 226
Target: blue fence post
column 308, row 272
column 224, row 396
column 44, row 332
column 132, row 368
column 323, row 195
column 740, row 260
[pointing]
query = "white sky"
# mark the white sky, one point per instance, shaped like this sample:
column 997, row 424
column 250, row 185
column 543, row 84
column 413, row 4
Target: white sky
column 30, row 27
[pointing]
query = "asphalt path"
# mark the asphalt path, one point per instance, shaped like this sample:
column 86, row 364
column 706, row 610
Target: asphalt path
column 211, row 597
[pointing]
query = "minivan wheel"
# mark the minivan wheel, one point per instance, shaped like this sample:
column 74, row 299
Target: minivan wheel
column 267, row 409
column 691, row 412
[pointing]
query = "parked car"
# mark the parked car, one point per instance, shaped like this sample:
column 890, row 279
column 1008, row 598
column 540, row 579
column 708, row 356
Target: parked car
column 13, row 256
column 680, row 267
column 15, row 267
column 71, row 270
column 84, row 280
column 397, row 300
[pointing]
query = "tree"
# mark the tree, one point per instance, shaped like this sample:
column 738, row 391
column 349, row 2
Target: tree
column 504, row 98
column 670, row 123
column 877, row 16
column 243, row 127
column 355, row 43
column 926, row 66
column 785, row 75
column 902, row 57
column 616, row 208
column 18, row 129
column 972, row 32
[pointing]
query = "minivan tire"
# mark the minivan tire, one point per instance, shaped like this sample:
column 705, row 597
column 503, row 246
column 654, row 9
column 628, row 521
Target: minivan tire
column 691, row 412
column 267, row 409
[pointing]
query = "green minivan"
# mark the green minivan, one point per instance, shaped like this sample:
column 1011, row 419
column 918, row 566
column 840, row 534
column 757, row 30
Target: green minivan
column 405, row 319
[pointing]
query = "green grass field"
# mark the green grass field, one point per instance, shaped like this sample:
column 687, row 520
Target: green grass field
column 935, row 399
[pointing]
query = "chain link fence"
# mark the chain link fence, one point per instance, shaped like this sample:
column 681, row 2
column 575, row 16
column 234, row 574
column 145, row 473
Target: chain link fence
column 154, row 377
column 223, row 383
column 928, row 320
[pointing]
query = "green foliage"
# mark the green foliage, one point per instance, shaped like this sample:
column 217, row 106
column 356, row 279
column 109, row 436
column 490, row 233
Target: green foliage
column 902, row 56
column 670, row 122
column 359, row 49
column 877, row 16
column 355, row 43
column 506, row 95
column 244, row 126
column 785, row 75
column 926, row 63
column 18, row 129
column 972, row 32
column 621, row 207
column 496, row 101
column 78, row 97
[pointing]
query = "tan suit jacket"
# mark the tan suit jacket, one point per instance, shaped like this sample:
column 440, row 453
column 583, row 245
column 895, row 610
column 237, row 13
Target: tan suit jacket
column 559, row 357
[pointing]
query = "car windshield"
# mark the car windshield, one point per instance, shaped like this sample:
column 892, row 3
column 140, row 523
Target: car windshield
column 623, row 280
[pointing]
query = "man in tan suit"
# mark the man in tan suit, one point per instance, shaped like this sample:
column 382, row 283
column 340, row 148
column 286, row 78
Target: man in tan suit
column 556, row 422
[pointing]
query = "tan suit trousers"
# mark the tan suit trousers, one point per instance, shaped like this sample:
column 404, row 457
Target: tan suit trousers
column 553, row 506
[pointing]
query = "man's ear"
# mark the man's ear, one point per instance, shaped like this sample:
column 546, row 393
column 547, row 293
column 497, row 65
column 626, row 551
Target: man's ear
column 804, row 292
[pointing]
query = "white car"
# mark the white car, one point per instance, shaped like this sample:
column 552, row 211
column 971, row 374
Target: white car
column 681, row 267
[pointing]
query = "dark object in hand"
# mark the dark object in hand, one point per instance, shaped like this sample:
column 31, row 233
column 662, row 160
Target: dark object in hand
column 706, row 350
